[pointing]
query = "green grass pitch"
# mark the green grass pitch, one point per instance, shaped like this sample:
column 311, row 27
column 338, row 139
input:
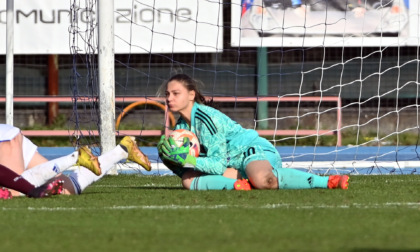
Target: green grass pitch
column 153, row 213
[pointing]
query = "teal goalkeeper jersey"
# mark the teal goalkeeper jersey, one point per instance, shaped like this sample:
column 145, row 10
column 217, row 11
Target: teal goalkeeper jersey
column 221, row 138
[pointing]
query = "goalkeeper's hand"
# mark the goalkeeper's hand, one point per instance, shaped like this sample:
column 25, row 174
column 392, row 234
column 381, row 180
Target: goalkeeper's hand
column 160, row 145
column 179, row 156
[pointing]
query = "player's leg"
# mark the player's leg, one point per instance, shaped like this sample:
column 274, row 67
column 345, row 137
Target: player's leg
column 129, row 144
column 296, row 179
column 81, row 177
column 19, row 154
column 232, row 173
column 78, row 180
column 188, row 177
column 263, row 176
column 264, row 169
column 5, row 193
column 257, row 163
column 11, row 154
column 40, row 174
column 194, row 180
column 338, row 181
column 260, row 174
column 36, row 160
column 52, row 188
column 12, row 180
column 69, row 187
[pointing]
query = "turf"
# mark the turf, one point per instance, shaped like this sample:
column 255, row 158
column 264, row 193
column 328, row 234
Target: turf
column 153, row 213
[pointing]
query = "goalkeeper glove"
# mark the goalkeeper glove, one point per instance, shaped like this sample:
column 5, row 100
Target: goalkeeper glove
column 179, row 156
column 160, row 145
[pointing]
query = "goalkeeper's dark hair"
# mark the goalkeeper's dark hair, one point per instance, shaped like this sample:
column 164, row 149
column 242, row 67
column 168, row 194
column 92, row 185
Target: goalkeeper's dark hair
column 191, row 85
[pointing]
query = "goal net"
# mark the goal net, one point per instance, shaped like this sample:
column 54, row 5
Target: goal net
column 333, row 84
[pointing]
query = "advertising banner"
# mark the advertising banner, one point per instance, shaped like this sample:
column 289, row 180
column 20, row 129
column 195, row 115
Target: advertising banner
column 146, row 26
column 331, row 23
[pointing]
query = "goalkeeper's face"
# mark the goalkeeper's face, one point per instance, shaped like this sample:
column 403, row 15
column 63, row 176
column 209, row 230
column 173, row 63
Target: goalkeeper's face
column 179, row 98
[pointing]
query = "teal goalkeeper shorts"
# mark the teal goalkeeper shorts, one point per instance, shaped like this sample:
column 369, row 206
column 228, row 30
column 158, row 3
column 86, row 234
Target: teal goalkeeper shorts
column 257, row 150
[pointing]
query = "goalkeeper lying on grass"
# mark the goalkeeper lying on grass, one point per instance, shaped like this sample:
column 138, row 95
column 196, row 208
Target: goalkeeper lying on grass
column 20, row 155
column 224, row 143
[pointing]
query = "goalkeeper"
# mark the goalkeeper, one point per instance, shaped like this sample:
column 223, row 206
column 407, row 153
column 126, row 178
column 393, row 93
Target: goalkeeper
column 224, row 143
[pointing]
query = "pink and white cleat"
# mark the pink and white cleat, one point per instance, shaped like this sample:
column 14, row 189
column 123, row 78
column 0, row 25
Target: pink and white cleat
column 5, row 193
column 53, row 188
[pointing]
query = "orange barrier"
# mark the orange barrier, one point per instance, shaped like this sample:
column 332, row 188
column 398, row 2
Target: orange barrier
column 138, row 103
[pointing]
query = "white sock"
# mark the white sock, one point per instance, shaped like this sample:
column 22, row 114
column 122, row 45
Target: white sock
column 40, row 174
column 82, row 177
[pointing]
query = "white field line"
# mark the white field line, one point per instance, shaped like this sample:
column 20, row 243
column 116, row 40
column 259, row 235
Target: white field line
column 136, row 185
column 414, row 205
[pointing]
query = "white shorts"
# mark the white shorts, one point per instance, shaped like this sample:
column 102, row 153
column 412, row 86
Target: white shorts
column 8, row 132
column 29, row 149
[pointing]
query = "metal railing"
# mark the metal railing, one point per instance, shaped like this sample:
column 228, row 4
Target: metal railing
column 141, row 100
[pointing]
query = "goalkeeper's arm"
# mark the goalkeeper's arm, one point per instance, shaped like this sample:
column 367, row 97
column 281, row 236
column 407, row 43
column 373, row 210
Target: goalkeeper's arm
column 177, row 157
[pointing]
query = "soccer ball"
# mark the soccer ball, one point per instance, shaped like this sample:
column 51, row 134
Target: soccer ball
column 179, row 134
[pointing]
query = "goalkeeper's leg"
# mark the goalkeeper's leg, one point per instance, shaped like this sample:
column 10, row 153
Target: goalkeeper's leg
column 263, row 167
column 194, row 180
column 263, row 176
